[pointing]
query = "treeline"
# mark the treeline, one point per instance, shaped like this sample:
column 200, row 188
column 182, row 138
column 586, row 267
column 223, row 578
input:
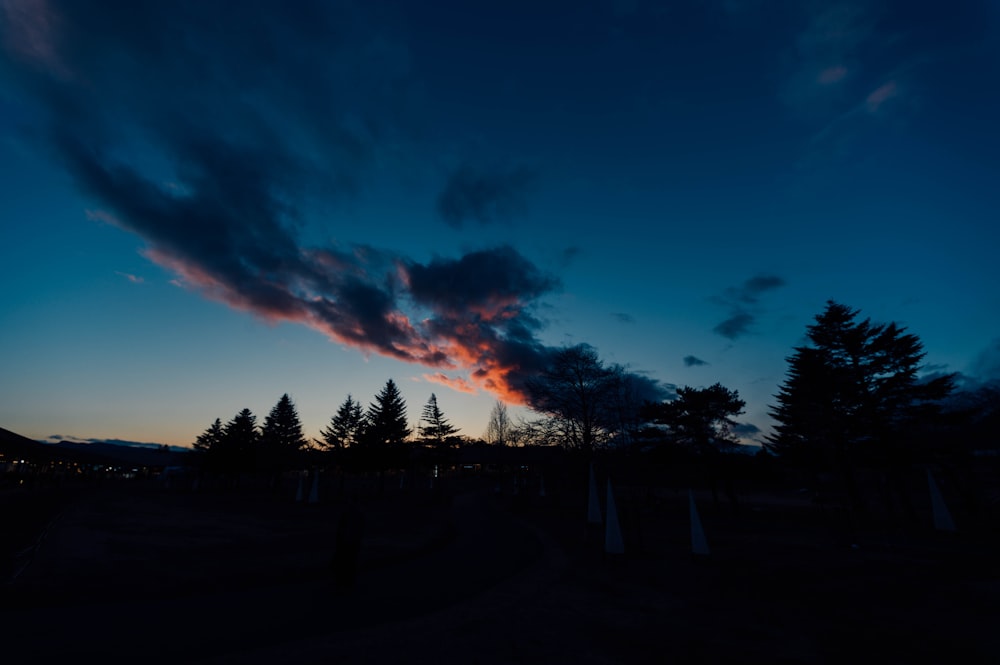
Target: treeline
column 853, row 398
column 371, row 437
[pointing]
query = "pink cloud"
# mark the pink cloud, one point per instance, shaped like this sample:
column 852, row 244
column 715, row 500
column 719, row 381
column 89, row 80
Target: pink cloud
column 130, row 277
column 465, row 343
column 455, row 383
column 192, row 275
column 880, row 95
column 832, row 75
column 29, row 31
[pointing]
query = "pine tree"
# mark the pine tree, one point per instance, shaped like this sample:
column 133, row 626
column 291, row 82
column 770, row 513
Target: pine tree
column 282, row 436
column 345, row 427
column 438, row 430
column 239, row 442
column 209, row 440
column 385, row 422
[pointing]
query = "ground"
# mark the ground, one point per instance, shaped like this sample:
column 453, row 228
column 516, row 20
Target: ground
column 464, row 573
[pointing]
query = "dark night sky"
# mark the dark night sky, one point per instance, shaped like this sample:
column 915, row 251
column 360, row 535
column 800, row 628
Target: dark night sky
column 208, row 204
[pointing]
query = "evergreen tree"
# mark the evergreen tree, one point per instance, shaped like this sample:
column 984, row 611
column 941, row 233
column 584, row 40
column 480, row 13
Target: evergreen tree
column 281, row 437
column 239, row 442
column 210, row 439
column 701, row 418
column 344, row 429
column 438, row 430
column 385, row 422
column 852, row 392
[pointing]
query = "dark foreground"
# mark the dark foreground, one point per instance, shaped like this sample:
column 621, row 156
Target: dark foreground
column 466, row 575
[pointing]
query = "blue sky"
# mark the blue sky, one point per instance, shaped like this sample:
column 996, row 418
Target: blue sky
column 203, row 210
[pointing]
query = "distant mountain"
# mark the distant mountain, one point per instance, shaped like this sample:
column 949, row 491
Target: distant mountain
column 15, row 446
column 123, row 453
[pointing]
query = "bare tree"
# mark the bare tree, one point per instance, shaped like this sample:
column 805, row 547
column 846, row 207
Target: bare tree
column 499, row 430
column 574, row 390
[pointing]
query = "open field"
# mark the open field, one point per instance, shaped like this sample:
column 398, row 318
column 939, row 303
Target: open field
column 466, row 575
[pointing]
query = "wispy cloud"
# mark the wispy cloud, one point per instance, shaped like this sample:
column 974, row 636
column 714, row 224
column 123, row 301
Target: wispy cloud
column 735, row 326
column 881, row 95
column 828, row 54
column 986, row 364
column 457, row 384
column 135, row 279
column 742, row 303
column 746, row 431
column 484, row 194
column 623, row 317
column 693, row 361
column 831, row 75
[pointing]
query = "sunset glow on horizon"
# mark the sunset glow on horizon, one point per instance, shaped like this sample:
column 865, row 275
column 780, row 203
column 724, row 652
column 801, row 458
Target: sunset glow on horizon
column 326, row 195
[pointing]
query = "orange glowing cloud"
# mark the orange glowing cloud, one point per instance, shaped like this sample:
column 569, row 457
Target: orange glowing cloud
column 457, row 384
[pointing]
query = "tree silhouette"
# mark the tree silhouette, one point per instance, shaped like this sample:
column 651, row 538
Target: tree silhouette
column 851, row 394
column 438, row 430
column 499, row 430
column 281, row 437
column 239, row 442
column 385, row 421
column 345, row 427
column 210, row 439
column 576, row 390
column 702, row 419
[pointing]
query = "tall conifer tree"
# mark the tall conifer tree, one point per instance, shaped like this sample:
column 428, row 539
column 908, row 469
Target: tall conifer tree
column 385, row 421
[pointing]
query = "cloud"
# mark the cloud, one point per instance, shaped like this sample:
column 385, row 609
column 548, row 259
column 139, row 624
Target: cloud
column 130, row 277
column 692, row 361
column 457, row 384
column 212, row 145
column 735, row 326
column 986, row 364
column 829, row 51
column 622, row 317
column 832, row 75
column 741, row 301
column 881, row 95
column 745, row 431
column 484, row 195
column 749, row 292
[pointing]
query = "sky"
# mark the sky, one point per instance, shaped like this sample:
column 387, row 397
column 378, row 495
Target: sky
column 206, row 205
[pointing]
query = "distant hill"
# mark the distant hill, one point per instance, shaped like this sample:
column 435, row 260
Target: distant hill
column 16, row 446
column 125, row 454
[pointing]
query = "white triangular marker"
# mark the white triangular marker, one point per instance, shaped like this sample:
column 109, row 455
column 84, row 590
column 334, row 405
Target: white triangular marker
column 593, row 503
column 698, row 543
column 298, row 492
column 314, row 492
column 612, row 531
column 942, row 517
